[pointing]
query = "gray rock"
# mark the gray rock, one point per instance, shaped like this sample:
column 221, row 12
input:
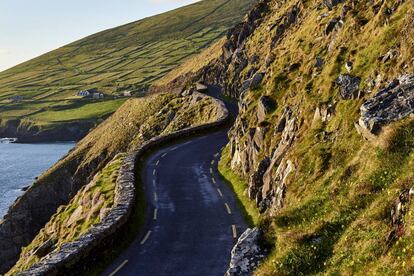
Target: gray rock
column 264, row 107
column 334, row 24
column 330, row 4
column 201, row 87
column 349, row 65
column 246, row 254
column 349, row 86
column 393, row 103
column 256, row 80
column 319, row 63
column 44, row 249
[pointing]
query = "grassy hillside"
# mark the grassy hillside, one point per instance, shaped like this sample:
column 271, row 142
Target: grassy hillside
column 126, row 58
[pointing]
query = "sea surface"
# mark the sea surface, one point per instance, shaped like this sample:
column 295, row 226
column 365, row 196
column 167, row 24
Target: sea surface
column 21, row 163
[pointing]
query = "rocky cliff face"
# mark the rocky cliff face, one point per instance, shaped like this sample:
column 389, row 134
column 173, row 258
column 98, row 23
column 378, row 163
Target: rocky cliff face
column 28, row 132
column 315, row 80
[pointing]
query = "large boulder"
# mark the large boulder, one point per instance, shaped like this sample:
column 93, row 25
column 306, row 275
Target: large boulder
column 348, row 86
column 393, row 103
column 246, row 254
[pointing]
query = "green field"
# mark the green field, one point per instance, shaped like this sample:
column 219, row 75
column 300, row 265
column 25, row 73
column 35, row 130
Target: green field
column 126, row 58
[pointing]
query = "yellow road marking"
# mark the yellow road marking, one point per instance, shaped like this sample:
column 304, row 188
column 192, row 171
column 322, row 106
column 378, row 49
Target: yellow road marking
column 228, row 208
column 119, row 268
column 155, row 214
column 219, row 191
column 146, row 237
column 233, row 228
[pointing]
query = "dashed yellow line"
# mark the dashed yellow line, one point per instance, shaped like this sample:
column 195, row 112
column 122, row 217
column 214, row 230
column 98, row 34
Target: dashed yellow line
column 155, row 214
column 119, row 268
column 219, row 191
column 234, row 230
column 228, row 208
column 146, row 237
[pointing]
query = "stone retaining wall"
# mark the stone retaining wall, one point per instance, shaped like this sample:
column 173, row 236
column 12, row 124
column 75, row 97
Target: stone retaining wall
column 71, row 254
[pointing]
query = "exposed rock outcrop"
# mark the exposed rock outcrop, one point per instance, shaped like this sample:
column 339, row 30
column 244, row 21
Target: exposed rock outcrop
column 265, row 106
column 246, row 254
column 393, row 103
column 348, row 86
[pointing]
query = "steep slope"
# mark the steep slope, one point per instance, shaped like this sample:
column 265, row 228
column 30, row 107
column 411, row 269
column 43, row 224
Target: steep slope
column 137, row 121
column 323, row 145
column 37, row 98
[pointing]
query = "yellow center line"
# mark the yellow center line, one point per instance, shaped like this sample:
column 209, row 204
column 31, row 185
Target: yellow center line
column 214, row 180
column 155, row 214
column 119, row 268
column 219, row 191
column 146, row 237
column 233, row 228
column 228, row 208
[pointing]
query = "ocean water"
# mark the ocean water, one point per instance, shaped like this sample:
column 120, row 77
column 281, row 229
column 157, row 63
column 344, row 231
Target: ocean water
column 21, row 163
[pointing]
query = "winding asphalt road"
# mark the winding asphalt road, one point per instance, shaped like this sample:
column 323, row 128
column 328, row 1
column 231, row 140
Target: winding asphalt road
column 192, row 219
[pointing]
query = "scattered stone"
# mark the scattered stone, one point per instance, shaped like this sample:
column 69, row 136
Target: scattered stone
column 256, row 80
column 247, row 254
column 319, row 63
column 265, row 106
column 398, row 211
column 349, row 65
column 322, row 16
column 330, row 4
column 390, row 55
column 391, row 104
column 201, row 87
column 324, row 113
column 47, row 247
column 349, row 86
column 332, row 25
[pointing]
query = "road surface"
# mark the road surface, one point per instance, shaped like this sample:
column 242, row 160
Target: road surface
column 192, row 219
